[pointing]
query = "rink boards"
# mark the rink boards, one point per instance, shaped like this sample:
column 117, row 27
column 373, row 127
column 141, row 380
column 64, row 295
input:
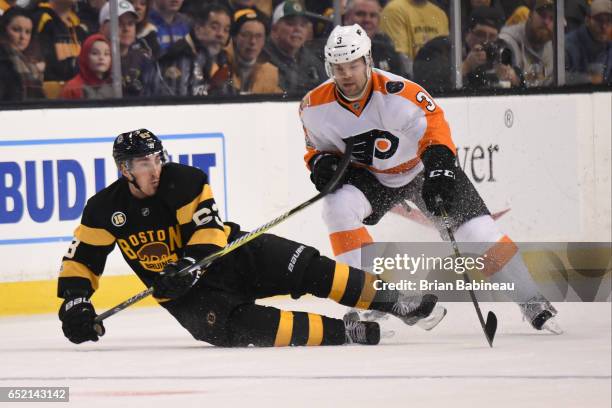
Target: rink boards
column 545, row 158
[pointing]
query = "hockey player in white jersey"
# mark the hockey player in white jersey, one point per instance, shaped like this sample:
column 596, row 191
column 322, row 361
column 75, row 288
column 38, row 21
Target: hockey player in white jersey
column 403, row 150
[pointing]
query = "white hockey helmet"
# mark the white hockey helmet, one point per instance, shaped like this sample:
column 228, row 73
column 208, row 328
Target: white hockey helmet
column 345, row 44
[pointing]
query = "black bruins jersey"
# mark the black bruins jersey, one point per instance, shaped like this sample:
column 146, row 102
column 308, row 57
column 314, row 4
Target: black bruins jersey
column 182, row 219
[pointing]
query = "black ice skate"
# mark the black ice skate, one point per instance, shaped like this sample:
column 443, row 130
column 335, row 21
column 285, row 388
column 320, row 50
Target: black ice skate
column 361, row 332
column 541, row 314
column 420, row 310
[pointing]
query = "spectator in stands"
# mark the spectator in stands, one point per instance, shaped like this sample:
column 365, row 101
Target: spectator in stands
column 88, row 12
column 245, row 73
column 191, row 63
column 411, row 23
column 6, row 4
column 588, row 50
column 432, row 66
column 93, row 80
column 146, row 33
column 137, row 65
column 531, row 44
column 487, row 62
column 300, row 69
column 20, row 72
column 575, row 12
column 366, row 13
column 171, row 25
column 60, row 36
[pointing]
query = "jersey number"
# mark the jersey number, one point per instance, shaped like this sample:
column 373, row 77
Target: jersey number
column 72, row 249
column 422, row 96
column 206, row 215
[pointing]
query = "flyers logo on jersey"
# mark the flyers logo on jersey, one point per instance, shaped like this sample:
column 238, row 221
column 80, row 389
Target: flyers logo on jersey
column 374, row 144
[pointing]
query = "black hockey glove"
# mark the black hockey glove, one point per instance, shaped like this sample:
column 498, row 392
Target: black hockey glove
column 440, row 172
column 77, row 316
column 175, row 281
column 323, row 166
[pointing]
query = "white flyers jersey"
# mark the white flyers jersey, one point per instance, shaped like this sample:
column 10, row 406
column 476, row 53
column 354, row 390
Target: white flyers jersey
column 391, row 125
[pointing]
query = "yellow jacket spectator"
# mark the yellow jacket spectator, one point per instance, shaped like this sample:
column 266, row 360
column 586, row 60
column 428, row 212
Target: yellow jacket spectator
column 245, row 73
column 60, row 36
column 411, row 23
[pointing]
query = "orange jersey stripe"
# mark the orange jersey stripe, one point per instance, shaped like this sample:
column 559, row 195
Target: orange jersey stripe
column 345, row 241
column 321, row 95
column 310, row 153
column 499, row 255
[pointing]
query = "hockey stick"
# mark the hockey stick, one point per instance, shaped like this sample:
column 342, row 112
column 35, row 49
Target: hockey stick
column 490, row 326
column 205, row 262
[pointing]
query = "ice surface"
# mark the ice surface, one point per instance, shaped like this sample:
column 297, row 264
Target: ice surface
column 147, row 360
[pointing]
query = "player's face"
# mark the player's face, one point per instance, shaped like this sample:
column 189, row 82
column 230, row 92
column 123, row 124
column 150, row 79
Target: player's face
column 351, row 77
column 146, row 172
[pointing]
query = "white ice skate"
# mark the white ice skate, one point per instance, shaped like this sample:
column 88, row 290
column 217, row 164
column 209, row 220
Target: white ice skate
column 422, row 311
column 541, row 314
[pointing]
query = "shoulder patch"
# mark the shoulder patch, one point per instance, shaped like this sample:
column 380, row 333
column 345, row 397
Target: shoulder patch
column 394, row 87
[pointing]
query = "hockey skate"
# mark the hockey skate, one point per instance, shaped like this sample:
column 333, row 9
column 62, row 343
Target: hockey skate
column 420, row 310
column 541, row 314
column 369, row 315
column 358, row 332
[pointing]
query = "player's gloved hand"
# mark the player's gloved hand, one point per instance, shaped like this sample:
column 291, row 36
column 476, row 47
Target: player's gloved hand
column 440, row 173
column 323, row 166
column 174, row 281
column 77, row 316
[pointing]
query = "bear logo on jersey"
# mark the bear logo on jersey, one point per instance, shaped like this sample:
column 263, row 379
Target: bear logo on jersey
column 375, row 143
column 154, row 256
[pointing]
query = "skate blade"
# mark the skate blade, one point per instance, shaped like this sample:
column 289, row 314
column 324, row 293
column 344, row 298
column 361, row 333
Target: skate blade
column 387, row 334
column 552, row 326
column 373, row 316
column 434, row 318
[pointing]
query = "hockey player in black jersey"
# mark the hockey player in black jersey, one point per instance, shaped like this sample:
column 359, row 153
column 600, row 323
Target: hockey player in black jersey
column 163, row 217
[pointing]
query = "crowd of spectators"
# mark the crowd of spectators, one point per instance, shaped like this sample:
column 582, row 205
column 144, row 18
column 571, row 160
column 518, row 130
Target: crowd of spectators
column 61, row 48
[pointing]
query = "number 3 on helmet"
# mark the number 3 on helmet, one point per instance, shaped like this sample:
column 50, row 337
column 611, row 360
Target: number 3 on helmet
column 346, row 44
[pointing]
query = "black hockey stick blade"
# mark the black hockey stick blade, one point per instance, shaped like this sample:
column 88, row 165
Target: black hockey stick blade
column 204, row 263
column 490, row 327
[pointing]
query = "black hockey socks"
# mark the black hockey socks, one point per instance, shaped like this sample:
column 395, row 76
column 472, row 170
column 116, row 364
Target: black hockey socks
column 347, row 285
column 267, row 326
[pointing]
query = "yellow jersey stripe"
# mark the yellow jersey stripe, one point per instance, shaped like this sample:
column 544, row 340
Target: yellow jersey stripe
column 209, row 236
column 73, row 269
column 315, row 330
column 341, row 275
column 185, row 213
column 94, row 236
column 368, row 292
column 285, row 329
